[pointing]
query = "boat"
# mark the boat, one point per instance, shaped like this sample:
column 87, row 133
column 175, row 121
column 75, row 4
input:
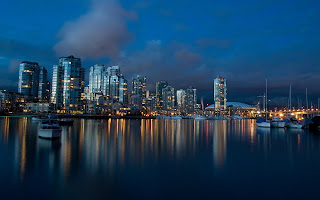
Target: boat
column 161, row 117
column 49, row 128
column 263, row 123
column 293, row 123
column 199, row 117
column 236, row 117
column 65, row 122
column 278, row 123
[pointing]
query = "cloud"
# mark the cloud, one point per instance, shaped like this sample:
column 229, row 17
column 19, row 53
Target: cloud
column 174, row 62
column 101, row 32
column 14, row 65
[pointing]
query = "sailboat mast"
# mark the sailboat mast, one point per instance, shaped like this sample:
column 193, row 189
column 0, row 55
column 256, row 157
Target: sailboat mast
column 307, row 98
column 266, row 98
column 290, row 98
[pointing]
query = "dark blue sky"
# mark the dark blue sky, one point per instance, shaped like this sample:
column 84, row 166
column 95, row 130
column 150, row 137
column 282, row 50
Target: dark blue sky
column 185, row 42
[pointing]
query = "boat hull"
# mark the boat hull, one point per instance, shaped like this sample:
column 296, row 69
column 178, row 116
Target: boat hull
column 264, row 124
column 49, row 133
column 278, row 124
column 292, row 125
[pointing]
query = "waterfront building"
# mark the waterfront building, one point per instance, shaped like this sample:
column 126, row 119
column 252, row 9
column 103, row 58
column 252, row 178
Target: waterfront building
column 97, row 76
column 150, row 104
column 116, row 86
column 168, row 98
column 67, row 84
column 29, row 79
column 191, row 100
column 159, row 87
column 11, row 101
column 139, row 88
column 220, row 94
column 38, row 107
column 181, row 100
column 44, row 85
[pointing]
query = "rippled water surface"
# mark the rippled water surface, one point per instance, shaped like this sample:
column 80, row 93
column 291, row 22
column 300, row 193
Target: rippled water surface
column 158, row 159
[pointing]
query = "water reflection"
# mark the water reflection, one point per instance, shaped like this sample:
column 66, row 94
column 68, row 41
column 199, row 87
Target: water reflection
column 104, row 147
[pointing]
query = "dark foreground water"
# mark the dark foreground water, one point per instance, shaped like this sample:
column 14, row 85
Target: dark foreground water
column 158, row 159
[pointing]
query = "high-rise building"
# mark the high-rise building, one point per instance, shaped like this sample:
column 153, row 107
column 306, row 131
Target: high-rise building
column 44, row 86
column 139, row 88
column 67, row 84
column 159, row 87
column 29, row 79
column 181, row 97
column 97, row 76
column 116, row 85
column 168, row 98
column 191, row 100
column 220, row 94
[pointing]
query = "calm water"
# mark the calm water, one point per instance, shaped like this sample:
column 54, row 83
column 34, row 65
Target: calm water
column 158, row 159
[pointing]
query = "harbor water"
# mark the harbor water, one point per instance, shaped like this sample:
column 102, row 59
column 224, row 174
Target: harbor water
column 158, row 159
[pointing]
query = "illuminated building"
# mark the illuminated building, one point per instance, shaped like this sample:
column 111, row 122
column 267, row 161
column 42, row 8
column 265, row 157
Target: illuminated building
column 67, row 84
column 220, row 94
column 191, row 100
column 97, row 77
column 139, row 88
column 29, row 79
column 168, row 98
column 181, row 97
column 116, row 86
column 159, row 87
column 44, row 86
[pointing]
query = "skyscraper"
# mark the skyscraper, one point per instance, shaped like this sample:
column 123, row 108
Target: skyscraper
column 116, row 85
column 67, row 84
column 159, row 87
column 44, row 85
column 181, row 97
column 191, row 100
column 220, row 94
column 168, row 98
column 97, row 76
column 139, row 88
column 29, row 79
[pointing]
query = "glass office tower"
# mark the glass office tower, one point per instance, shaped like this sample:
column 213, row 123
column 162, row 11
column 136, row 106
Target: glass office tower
column 220, row 94
column 29, row 79
column 68, row 84
column 139, row 88
column 159, row 87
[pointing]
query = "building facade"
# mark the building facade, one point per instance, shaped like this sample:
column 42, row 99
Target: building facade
column 139, row 88
column 44, row 85
column 220, row 93
column 168, row 98
column 116, row 85
column 191, row 100
column 159, row 87
column 29, row 79
column 68, row 84
column 181, row 100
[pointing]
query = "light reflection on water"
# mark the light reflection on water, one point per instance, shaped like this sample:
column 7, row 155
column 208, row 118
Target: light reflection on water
column 116, row 149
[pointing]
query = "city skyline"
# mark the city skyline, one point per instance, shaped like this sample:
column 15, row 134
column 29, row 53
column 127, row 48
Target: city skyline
column 277, row 41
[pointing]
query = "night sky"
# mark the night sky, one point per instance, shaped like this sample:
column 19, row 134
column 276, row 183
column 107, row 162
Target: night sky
column 186, row 42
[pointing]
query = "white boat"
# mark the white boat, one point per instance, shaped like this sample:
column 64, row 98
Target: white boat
column 200, row 118
column 278, row 123
column 161, row 117
column 49, row 129
column 236, row 117
column 294, row 125
column 264, row 124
